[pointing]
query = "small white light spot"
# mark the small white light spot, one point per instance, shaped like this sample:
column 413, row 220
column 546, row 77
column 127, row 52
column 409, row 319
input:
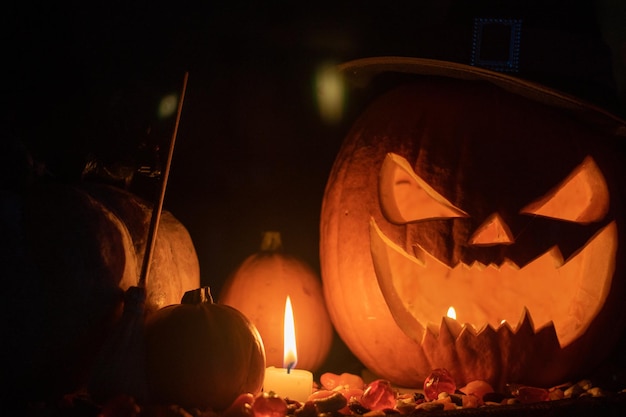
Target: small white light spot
column 330, row 93
column 167, row 106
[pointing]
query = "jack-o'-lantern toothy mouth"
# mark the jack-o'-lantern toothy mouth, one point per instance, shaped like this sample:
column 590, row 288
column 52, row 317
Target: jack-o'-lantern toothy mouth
column 420, row 289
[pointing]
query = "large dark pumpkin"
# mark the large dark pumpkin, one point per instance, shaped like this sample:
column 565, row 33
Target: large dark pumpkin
column 75, row 250
column 202, row 355
column 470, row 189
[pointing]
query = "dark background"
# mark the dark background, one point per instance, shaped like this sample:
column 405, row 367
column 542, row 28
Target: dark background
column 252, row 153
column 83, row 81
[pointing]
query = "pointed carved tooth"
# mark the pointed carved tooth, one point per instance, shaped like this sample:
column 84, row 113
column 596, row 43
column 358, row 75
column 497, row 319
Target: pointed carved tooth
column 506, row 331
column 551, row 258
column 479, row 353
column 447, row 334
column 546, row 344
column 525, row 326
column 547, row 337
column 432, row 329
column 485, row 328
column 513, row 353
column 430, row 345
column 506, row 324
column 450, row 326
column 486, row 331
column 494, row 266
column 507, row 263
column 441, row 350
column 469, row 329
column 557, row 256
column 478, row 265
column 423, row 364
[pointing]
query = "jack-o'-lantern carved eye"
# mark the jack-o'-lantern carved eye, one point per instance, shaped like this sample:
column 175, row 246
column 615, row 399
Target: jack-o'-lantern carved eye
column 583, row 197
column 405, row 197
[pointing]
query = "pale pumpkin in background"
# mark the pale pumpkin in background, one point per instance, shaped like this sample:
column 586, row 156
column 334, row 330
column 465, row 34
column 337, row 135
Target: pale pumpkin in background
column 177, row 269
column 259, row 288
column 465, row 188
column 76, row 249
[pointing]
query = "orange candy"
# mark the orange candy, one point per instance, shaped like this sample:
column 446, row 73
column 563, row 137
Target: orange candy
column 331, row 381
column 478, row 388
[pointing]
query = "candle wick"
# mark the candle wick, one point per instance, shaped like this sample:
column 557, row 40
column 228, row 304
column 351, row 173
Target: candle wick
column 290, row 366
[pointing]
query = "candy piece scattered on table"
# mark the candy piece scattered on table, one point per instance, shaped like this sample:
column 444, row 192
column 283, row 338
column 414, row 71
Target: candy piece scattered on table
column 528, row 395
column 437, row 382
column 477, row 388
column 268, row 404
column 332, row 381
column 379, row 395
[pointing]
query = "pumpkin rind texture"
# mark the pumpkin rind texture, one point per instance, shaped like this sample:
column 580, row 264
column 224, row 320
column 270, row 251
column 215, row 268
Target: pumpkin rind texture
column 450, row 192
column 202, row 354
column 175, row 266
column 77, row 248
column 259, row 287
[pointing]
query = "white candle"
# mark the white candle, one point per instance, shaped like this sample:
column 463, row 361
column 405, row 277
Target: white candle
column 296, row 384
column 288, row 382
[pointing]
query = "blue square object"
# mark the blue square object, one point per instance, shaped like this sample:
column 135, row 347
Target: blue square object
column 496, row 44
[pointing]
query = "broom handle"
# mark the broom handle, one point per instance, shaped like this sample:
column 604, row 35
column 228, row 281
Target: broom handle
column 156, row 211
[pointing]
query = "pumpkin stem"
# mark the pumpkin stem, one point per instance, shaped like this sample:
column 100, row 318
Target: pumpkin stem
column 197, row 296
column 271, row 242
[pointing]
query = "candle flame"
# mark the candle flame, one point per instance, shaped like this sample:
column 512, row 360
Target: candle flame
column 452, row 313
column 290, row 357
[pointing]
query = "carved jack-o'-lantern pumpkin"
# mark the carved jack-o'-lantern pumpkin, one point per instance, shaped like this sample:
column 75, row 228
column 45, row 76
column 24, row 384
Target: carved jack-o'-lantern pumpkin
column 496, row 198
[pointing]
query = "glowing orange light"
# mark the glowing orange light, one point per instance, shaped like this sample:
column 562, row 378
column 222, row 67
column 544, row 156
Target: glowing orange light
column 451, row 313
column 290, row 357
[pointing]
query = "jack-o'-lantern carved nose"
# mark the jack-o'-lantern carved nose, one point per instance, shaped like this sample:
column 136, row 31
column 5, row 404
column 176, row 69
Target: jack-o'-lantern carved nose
column 493, row 231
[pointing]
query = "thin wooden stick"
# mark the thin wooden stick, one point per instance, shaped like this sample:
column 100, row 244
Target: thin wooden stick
column 156, row 211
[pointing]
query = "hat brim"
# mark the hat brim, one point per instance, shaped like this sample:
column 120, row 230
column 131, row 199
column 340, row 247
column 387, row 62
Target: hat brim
column 360, row 73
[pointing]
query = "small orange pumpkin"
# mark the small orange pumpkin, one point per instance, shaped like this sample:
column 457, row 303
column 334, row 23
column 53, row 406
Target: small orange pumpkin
column 259, row 288
column 476, row 190
column 200, row 354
